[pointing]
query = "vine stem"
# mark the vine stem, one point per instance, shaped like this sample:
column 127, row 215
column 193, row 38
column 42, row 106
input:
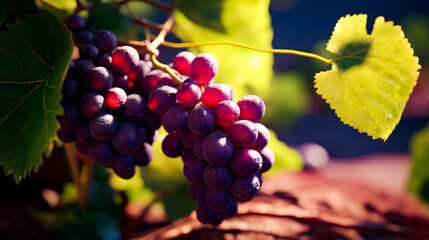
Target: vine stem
column 282, row 51
column 75, row 172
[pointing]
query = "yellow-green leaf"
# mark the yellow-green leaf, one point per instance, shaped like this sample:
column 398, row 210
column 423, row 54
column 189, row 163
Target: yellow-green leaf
column 372, row 76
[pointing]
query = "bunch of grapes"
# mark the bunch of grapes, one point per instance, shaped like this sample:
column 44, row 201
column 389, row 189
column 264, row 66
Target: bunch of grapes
column 222, row 145
column 105, row 114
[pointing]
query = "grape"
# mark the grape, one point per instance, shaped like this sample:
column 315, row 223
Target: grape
column 161, row 99
column 188, row 95
column 218, row 200
column 188, row 139
column 231, row 211
column 245, row 188
column 66, row 136
column 197, row 191
column 135, row 110
column 263, row 137
column 268, row 159
column 175, row 121
column 103, row 126
column 245, row 162
column 85, row 37
column 121, row 81
column 198, row 147
column 172, row 146
column 193, row 168
column 105, row 60
column 243, row 133
column 115, row 98
column 70, row 89
column 165, row 79
column 91, row 104
column 144, row 155
column 123, row 166
column 217, row 148
column 72, row 118
column 83, row 146
column 89, row 51
column 106, row 41
column 102, row 153
column 218, row 177
column 252, row 108
column 99, row 79
column 149, row 82
column 81, row 69
column 75, row 23
column 140, row 71
column 124, row 59
column 215, row 94
column 182, row 62
column 83, row 133
column 227, row 113
column 230, row 89
column 201, row 120
column 205, row 214
column 152, row 122
column 203, row 68
column 127, row 138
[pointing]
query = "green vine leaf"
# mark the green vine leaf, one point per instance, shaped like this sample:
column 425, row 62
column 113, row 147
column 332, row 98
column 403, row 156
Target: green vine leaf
column 34, row 55
column 372, row 77
column 418, row 183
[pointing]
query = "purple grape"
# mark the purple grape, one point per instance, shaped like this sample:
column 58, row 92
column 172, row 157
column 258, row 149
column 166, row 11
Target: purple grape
column 140, row 71
column 127, row 138
column 188, row 95
column 103, row 126
column 189, row 81
column 91, row 104
column 217, row 148
column 83, row 133
column 262, row 139
column 66, row 136
column 81, row 69
column 85, row 37
column 83, row 146
column 152, row 122
column 201, row 120
column 102, row 153
column 72, row 118
column 144, row 155
column 182, row 62
column 243, row 133
column 135, row 109
column 252, row 108
column 197, row 191
column 230, row 89
column 245, row 162
column 172, row 146
column 70, row 89
column 175, row 121
column 203, row 68
column 204, row 214
column 89, row 51
column 231, row 211
column 115, row 98
column 106, row 41
column 189, row 138
column 121, row 81
column 75, row 23
column 105, row 60
column 123, row 166
column 161, row 99
column 149, row 82
column 99, row 79
column 268, row 159
column 193, row 168
column 245, row 188
column 198, row 147
column 214, row 94
column 165, row 79
column 218, row 177
column 124, row 59
column 227, row 113
column 218, row 200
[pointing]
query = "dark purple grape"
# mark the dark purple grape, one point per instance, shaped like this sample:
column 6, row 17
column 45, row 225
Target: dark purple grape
column 103, row 126
column 227, row 113
column 161, row 99
column 252, row 108
column 197, row 191
column 262, row 139
column 152, row 122
column 182, row 62
column 172, row 146
column 144, row 155
column 123, row 166
column 245, row 162
column 83, row 133
column 268, row 159
column 175, row 121
column 165, row 79
column 149, row 82
column 152, row 136
column 121, row 81
column 245, row 188
column 189, row 138
column 89, row 51
column 188, row 95
column 127, row 138
column 201, row 120
column 193, row 168
column 105, row 60
column 231, row 211
column 70, row 89
column 99, row 79
column 75, row 23
column 135, row 109
column 203, row 68
column 115, row 98
column 83, row 146
column 106, row 41
column 214, row 94
column 66, row 136
column 243, row 133
column 218, row 200
column 91, row 104
column 217, row 148
column 124, row 59
column 81, row 69
column 204, row 214
column 72, row 118
column 102, row 153
column 189, row 81
column 140, row 71
column 198, row 147
column 85, row 37
column 218, row 177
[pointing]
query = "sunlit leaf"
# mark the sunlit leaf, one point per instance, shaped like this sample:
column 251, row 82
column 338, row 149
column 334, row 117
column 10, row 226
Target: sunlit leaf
column 372, row 77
